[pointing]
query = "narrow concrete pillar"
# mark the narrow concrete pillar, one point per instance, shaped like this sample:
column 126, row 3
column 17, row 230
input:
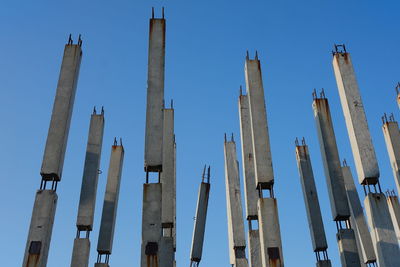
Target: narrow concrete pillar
column 357, row 214
column 56, row 143
column 394, row 210
column 200, row 218
column 356, row 121
column 253, row 237
column 101, row 265
column 348, row 248
column 80, row 252
column 174, row 198
column 311, row 201
column 324, row 263
column 167, row 252
column 270, row 239
column 40, row 229
column 110, row 205
column 151, row 224
column 330, row 157
column 155, row 96
column 392, row 138
column 386, row 244
column 237, row 240
column 259, row 128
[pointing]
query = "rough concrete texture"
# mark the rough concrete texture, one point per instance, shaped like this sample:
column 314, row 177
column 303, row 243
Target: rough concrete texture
column 361, row 253
column 394, row 210
column 357, row 214
column 200, row 222
column 310, row 194
column 233, row 200
column 167, row 175
column 241, row 262
column 56, row 143
column 392, row 138
column 254, row 248
column 151, row 225
column 330, row 157
column 250, row 188
column 259, row 126
column 348, row 248
column 40, row 229
column 155, row 97
column 385, row 242
column 110, row 204
column 356, row 121
column 270, row 233
column 90, row 178
column 324, row 263
column 80, row 252
column 167, row 255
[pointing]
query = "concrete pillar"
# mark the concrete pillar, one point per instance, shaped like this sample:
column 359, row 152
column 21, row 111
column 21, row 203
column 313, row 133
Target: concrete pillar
column 270, row 239
column 356, row 121
column 237, row 240
column 41, row 227
column 200, row 220
column 110, row 205
column 330, row 157
column 253, row 237
column 155, row 96
column 357, row 214
column 259, row 128
column 90, row 178
column 80, row 252
column 394, row 210
column 324, row 263
column 311, row 201
column 101, row 265
column 151, row 225
column 167, row 252
column 386, row 244
column 56, row 143
column 348, row 248
column 392, row 138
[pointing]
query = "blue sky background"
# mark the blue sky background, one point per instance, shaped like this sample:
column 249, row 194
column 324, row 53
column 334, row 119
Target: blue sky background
column 205, row 53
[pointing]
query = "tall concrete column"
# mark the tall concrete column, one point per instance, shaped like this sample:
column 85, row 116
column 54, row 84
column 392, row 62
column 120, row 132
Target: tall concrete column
column 335, row 181
column 110, row 205
column 267, row 210
column 237, row 240
column 311, row 202
column 250, row 188
column 358, row 223
column 41, row 226
column 200, row 220
column 155, row 96
column 391, row 133
column 87, row 202
column 394, row 210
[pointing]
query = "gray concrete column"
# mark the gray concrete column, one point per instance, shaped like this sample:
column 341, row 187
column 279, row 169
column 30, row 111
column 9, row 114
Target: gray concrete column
column 394, row 210
column 392, row 138
column 80, row 252
column 356, row 121
column 349, row 256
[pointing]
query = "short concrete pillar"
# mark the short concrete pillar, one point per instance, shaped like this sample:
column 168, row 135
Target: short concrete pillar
column 80, row 252
column 348, row 248
column 254, row 248
column 166, row 252
column 324, row 263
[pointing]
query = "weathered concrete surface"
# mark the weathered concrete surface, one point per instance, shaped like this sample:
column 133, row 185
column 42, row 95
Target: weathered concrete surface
column 101, row 265
column 155, row 97
column 151, row 225
column 330, row 157
column 233, row 200
column 324, row 263
column 90, row 178
column 167, row 252
column 259, row 127
column 254, row 248
column 270, row 233
column 80, row 252
column 250, row 188
column 311, row 201
column 386, row 245
column 356, row 121
column 394, row 210
column 110, row 205
column 241, row 262
column 56, row 143
column 167, row 175
column 348, row 248
column 358, row 242
column 40, row 229
column 392, row 139
column 357, row 214
column 200, row 222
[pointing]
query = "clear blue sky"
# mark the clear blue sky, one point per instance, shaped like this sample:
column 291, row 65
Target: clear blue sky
column 205, row 52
